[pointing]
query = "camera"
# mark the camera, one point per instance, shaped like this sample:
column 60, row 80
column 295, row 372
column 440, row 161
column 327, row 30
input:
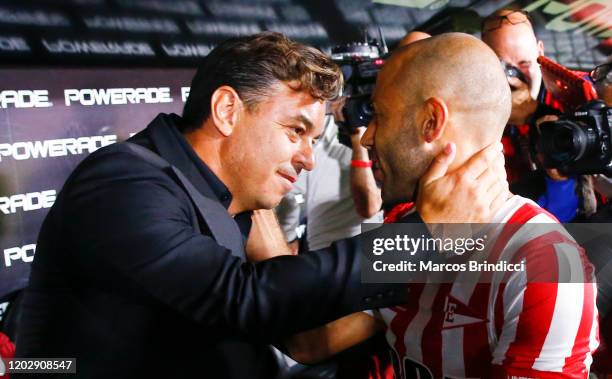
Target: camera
column 360, row 63
column 580, row 144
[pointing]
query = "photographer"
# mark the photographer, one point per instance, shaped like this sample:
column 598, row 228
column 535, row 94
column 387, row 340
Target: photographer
column 576, row 147
column 510, row 34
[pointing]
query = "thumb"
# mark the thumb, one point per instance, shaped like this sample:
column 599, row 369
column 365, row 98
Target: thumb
column 440, row 164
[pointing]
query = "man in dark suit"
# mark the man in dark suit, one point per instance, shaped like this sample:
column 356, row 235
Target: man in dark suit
column 140, row 267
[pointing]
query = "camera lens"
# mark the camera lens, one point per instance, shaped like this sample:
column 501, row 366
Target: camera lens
column 562, row 142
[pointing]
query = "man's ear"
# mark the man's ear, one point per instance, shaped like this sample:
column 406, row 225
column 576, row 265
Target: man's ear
column 436, row 117
column 540, row 48
column 225, row 106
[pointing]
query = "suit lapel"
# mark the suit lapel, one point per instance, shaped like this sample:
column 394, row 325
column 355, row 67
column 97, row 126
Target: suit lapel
column 223, row 228
column 221, row 225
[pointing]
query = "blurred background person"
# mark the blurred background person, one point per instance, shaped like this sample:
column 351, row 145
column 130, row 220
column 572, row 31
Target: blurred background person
column 510, row 34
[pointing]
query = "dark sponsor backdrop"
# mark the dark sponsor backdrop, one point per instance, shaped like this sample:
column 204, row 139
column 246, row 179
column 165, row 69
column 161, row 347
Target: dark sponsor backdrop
column 42, row 139
column 165, row 33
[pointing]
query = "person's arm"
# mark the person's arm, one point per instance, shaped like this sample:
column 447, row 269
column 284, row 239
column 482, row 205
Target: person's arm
column 319, row 344
column 366, row 194
column 523, row 105
column 289, row 212
column 129, row 224
column 266, row 239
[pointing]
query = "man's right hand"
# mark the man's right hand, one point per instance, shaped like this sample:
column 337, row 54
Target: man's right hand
column 523, row 105
column 473, row 193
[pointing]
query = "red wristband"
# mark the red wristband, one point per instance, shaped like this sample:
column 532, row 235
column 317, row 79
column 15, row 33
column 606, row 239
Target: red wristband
column 361, row 164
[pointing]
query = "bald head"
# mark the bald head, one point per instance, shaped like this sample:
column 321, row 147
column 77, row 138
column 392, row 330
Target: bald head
column 412, row 37
column 461, row 71
column 447, row 88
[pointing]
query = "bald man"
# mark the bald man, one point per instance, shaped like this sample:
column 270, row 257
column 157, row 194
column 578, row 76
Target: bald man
column 489, row 330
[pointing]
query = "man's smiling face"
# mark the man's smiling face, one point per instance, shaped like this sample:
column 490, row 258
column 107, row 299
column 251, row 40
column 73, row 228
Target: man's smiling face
column 271, row 144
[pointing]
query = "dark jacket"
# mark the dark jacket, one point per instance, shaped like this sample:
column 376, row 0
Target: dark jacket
column 131, row 278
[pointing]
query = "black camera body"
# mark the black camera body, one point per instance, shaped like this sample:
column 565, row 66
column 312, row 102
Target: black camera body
column 580, row 144
column 360, row 63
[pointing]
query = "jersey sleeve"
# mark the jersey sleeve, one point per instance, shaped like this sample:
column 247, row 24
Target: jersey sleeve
column 548, row 320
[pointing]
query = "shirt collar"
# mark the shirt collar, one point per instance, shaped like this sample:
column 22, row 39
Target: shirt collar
column 174, row 147
column 219, row 189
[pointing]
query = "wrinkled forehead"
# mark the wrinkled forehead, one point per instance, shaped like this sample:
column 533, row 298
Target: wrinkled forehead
column 517, row 40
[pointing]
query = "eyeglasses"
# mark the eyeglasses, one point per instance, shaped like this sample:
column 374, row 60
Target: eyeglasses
column 515, row 17
column 602, row 72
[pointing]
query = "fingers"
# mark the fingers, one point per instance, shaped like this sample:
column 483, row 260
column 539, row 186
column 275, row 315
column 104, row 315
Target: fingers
column 489, row 202
column 497, row 167
column 480, row 162
column 487, row 180
column 546, row 118
column 555, row 174
column 501, row 191
column 336, row 108
column 440, row 164
column 359, row 131
column 516, row 83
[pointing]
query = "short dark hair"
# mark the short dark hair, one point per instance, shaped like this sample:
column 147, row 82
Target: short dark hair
column 252, row 65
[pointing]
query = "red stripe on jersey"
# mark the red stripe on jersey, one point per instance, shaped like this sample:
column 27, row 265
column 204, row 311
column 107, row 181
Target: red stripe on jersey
column 575, row 362
column 542, row 260
column 521, row 216
column 538, row 302
column 544, row 268
column 403, row 317
column 431, row 344
column 399, row 324
column 536, row 315
column 525, row 213
column 476, row 346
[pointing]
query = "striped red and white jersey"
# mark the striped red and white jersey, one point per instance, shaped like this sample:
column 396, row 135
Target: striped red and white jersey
column 510, row 328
